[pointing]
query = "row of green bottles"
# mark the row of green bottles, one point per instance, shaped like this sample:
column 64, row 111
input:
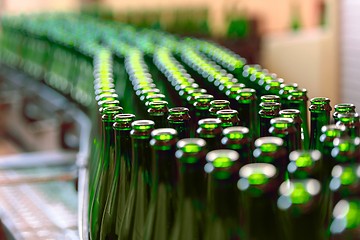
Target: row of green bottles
column 273, row 166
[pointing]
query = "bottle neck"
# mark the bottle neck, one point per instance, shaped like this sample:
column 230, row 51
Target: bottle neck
column 318, row 120
column 108, row 142
column 140, row 158
column 123, row 148
column 165, row 167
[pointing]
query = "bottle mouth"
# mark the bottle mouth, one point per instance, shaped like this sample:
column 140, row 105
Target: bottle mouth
column 320, row 101
column 269, row 144
column 109, row 112
column 219, row 103
column 270, row 98
column 178, row 111
column 333, row 130
column 191, row 145
column 143, row 125
column 158, row 104
column 164, row 134
column 297, row 94
column 297, row 192
column 289, row 113
column 209, row 123
column 344, row 107
column 345, row 174
column 235, row 133
column 304, row 158
column 281, row 122
column 256, row 174
column 270, row 105
column 289, row 86
column 226, row 113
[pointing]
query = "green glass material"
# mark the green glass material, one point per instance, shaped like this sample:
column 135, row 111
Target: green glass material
column 232, row 93
column 160, row 219
column 343, row 108
column 202, row 106
column 284, row 93
column 179, row 119
column 352, row 123
column 272, row 86
column 300, row 210
column 120, row 183
column 217, row 105
column 271, row 150
column 284, row 128
column 320, row 116
column 228, row 118
column 158, row 112
column 329, row 134
column 224, row 216
column 210, row 130
column 305, row 164
column 248, row 112
column 270, row 98
column 346, row 150
column 258, row 185
column 295, row 115
column 346, row 224
column 103, row 172
column 130, row 225
column 345, row 181
column 238, row 139
column 298, row 100
column 268, row 111
column 190, row 210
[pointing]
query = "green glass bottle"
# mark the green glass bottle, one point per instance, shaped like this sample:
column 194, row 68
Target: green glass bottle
column 284, row 93
column 300, row 210
column 179, row 119
column 103, row 171
column 164, row 196
column 238, row 139
column 295, row 115
column 271, row 150
column 224, row 220
column 119, row 185
column 272, row 86
column 258, row 185
column 298, row 100
column 305, row 164
column 131, row 224
column 268, row 111
column 284, row 128
column 342, row 108
column 320, row 116
column 228, row 118
column 190, row 210
column 248, row 112
column 210, row 130
column 345, row 223
column 329, row 134
column 352, row 123
column 158, row 112
column 217, row 105
column 202, row 106
column 232, row 93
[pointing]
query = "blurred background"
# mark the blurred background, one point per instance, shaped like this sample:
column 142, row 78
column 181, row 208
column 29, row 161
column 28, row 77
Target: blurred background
column 314, row 43
column 311, row 42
